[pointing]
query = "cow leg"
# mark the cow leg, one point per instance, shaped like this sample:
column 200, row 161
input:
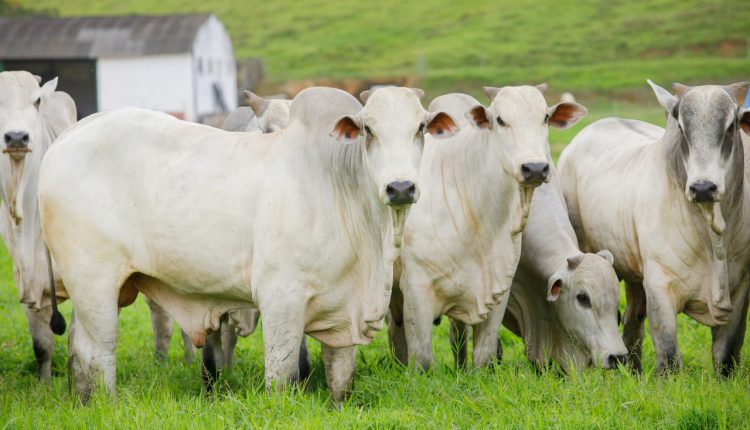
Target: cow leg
column 188, row 347
column 728, row 338
column 283, row 331
column 228, row 342
column 395, row 320
column 92, row 348
column 339, row 366
column 459, row 336
column 486, row 336
column 305, row 366
column 212, row 359
column 635, row 314
column 418, row 317
column 43, row 340
column 662, row 321
column 162, row 326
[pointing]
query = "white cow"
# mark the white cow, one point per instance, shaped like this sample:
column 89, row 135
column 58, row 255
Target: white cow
column 563, row 303
column 463, row 238
column 303, row 224
column 672, row 205
column 261, row 115
column 31, row 117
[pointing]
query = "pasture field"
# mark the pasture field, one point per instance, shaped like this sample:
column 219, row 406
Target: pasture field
column 511, row 395
column 593, row 46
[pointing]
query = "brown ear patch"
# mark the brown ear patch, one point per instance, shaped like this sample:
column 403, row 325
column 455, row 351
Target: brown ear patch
column 346, row 128
column 554, row 290
column 442, row 125
column 478, row 114
column 745, row 121
column 566, row 114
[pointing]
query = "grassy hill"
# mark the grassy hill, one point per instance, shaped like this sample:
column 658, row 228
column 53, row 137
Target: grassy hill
column 597, row 46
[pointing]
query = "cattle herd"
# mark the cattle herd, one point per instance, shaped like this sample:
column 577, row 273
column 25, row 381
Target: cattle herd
column 329, row 217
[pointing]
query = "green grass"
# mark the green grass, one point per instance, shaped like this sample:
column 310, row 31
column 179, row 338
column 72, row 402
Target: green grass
column 601, row 46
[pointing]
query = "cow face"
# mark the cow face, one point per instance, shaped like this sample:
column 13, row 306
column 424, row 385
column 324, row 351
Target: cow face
column 21, row 126
column 586, row 295
column 271, row 114
column 393, row 124
column 518, row 117
column 705, row 122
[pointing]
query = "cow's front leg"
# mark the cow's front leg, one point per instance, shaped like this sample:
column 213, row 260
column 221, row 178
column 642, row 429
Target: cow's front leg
column 635, row 314
column 283, row 331
column 459, row 337
column 418, row 317
column 43, row 340
column 486, row 335
column 339, row 366
column 396, row 331
column 728, row 338
column 662, row 321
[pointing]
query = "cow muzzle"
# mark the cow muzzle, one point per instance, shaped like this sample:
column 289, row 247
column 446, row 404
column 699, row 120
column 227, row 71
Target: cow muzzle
column 401, row 193
column 16, row 143
column 534, row 173
column 704, row 192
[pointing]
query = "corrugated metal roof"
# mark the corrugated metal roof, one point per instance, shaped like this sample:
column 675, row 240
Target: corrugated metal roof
column 93, row 37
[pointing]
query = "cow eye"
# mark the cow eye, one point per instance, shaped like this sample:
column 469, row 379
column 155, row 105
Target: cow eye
column 37, row 102
column 368, row 131
column 500, row 122
column 583, row 299
column 421, row 128
column 546, row 118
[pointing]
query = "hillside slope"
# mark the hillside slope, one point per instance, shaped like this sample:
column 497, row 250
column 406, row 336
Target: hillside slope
column 592, row 46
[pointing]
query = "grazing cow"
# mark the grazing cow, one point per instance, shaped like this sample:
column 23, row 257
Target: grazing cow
column 463, row 238
column 303, row 225
column 263, row 115
column 563, row 303
column 31, row 117
column 672, row 206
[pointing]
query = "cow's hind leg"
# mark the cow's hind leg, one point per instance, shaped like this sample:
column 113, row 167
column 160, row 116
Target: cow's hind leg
column 189, row 348
column 162, row 325
column 92, row 349
column 228, row 342
column 339, row 364
column 635, row 314
column 728, row 338
column 459, row 337
column 43, row 340
column 212, row 359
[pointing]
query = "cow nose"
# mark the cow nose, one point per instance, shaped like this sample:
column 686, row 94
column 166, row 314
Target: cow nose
column 534, row 172
column 16, row 139
column 614, row 359
column 401, row 192
column 703, row 192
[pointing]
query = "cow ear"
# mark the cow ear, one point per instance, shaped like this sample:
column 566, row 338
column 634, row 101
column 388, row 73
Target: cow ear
column 478, row 116
column 745, row 121
column 680, row 89
column 738, row 91
column 575, row 261
column 666, row 100
column 38, row 79
column 441, row 125
column 347, row 128
column 541, row 87
column 48, row 88
column 364, row 95
column 418, row 92
column 605, row 254
column 554, row 287
column 257, row 103
column 491, row 92
column 565, row 114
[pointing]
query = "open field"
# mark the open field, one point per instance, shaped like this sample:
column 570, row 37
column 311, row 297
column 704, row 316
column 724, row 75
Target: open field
column 512, row 395
column 608, row 46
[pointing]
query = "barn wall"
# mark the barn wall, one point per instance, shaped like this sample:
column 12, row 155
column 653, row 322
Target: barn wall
column 160, row 82
column 214, row 69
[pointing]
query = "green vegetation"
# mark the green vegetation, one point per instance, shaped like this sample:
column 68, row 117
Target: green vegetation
column 598, row 46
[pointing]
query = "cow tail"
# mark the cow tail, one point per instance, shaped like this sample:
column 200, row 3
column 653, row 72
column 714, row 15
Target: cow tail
column 57, row 322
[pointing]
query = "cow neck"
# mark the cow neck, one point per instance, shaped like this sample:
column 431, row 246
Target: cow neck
column 712, row 220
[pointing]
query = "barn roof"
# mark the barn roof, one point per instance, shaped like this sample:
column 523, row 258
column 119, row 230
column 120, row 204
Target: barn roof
column 98, row 36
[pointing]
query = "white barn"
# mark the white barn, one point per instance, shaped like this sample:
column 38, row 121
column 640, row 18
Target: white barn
column 180, row 64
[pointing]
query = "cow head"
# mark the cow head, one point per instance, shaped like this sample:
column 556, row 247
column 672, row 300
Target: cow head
column 586, row 295
column 704, row 122
column 393, row 124
column 271, row 114
column 21, row 98
column 518, row 117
